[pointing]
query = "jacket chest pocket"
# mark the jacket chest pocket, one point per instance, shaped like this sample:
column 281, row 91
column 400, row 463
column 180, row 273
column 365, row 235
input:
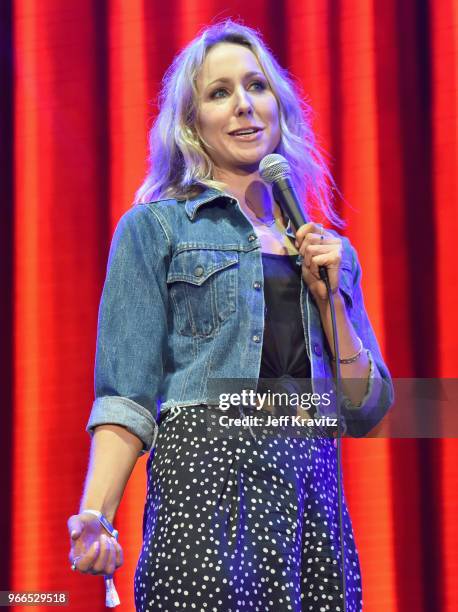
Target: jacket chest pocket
column 203, row 290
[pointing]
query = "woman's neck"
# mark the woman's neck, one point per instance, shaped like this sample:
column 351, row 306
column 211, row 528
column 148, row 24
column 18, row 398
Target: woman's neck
column 257, row 202
column 254, row 196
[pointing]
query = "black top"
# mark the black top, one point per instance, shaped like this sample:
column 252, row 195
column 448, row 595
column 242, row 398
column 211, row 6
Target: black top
column 284, row 355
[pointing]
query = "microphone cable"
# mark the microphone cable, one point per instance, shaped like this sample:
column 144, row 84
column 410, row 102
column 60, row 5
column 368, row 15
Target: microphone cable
column 275, row 170
column 337, row 380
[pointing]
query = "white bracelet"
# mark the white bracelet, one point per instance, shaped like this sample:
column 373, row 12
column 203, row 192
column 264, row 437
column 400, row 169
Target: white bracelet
column 104, row 521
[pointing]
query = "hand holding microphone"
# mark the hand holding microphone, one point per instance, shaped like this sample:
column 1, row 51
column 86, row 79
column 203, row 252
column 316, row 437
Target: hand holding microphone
column 319, row 249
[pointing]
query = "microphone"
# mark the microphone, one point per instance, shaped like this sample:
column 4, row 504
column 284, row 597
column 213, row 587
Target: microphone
column 274, row 169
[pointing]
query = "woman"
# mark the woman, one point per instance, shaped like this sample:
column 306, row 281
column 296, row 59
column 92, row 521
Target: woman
column 203, row 285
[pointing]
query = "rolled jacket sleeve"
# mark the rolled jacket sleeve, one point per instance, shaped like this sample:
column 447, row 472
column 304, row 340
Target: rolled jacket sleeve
column 360, row 419
column 132, row 327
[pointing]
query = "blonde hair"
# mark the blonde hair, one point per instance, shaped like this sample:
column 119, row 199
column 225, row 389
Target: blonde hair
column 180, row 167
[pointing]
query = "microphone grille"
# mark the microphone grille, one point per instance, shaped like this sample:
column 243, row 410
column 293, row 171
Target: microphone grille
column 274, row 167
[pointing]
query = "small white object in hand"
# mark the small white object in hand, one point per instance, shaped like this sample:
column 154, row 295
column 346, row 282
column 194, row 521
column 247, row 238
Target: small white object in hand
column 111, row 594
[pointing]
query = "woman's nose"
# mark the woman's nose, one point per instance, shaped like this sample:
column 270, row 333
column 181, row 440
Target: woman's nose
column 244, row 104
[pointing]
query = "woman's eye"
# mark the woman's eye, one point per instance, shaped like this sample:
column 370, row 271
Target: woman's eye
column 222, row 92
column 258, row 85
column 218, row 93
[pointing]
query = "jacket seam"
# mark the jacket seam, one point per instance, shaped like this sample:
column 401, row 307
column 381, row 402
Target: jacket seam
column 162, row 224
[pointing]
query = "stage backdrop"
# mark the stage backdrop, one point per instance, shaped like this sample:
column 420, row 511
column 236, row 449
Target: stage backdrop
column 78, row 86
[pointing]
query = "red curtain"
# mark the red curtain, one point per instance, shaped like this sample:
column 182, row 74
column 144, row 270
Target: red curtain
column 79, row 80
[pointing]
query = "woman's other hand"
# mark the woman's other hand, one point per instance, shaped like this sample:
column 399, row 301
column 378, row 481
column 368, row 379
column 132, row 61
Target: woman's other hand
column 319, row 248
column 93, row 549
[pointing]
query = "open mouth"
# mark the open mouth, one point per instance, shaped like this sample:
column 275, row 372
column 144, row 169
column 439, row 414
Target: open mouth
column 245, row 131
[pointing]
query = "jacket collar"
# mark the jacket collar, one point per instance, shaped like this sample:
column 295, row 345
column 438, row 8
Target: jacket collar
column 192, row 205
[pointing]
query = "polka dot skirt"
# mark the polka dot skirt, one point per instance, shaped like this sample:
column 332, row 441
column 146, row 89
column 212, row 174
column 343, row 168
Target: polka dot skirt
column 237, row 522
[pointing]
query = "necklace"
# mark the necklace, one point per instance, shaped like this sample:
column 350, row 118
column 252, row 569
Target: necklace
column 271, row 230
column 260, row 220
column 263, row 223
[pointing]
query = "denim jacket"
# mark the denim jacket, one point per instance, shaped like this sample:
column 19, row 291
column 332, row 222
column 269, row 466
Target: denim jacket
column 183, row 303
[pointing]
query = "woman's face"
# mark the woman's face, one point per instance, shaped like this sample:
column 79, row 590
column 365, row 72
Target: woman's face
column 234, row 95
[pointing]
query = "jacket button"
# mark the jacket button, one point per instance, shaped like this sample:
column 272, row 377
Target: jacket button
column 317, row 349
column 257, row 285
column 251, row 237
column 256, row 338
column 198, row 271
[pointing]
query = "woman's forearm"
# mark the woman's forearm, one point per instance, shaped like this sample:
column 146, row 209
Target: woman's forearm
column 114, row 452
column 356, row 373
